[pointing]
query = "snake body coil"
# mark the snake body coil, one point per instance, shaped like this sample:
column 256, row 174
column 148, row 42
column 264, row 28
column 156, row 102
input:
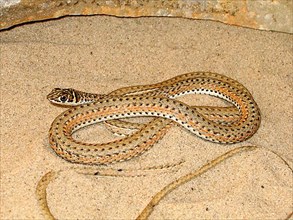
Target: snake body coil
column 216, row 124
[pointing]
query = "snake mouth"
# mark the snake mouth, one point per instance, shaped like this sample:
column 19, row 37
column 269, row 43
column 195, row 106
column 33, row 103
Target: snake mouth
column 62, row 105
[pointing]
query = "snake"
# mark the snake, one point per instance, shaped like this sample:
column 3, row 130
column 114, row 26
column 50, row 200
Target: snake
column 223, row 125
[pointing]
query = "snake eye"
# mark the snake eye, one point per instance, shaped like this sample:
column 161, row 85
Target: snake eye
column 63, row 98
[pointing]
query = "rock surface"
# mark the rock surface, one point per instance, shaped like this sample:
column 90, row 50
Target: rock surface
column 275, row 15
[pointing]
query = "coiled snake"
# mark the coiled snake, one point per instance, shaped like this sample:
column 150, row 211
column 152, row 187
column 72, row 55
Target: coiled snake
column 219, row 125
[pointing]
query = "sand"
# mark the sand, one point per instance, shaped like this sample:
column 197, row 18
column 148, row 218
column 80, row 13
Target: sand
column 100, row 54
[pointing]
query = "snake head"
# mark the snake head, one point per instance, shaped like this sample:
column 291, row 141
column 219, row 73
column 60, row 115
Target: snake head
column 63, row 96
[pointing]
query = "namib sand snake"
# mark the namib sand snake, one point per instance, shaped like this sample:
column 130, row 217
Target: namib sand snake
column 226, row 125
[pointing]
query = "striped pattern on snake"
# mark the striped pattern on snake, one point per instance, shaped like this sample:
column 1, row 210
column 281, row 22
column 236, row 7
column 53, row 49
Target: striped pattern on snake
column 219, row 125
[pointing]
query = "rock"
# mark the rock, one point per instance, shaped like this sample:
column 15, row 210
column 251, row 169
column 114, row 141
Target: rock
column 275, row 15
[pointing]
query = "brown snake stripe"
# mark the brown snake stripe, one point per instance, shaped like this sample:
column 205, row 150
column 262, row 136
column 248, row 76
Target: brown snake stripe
column 154, row 100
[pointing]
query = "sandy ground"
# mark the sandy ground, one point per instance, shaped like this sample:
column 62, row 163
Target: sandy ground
column 100, row 54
